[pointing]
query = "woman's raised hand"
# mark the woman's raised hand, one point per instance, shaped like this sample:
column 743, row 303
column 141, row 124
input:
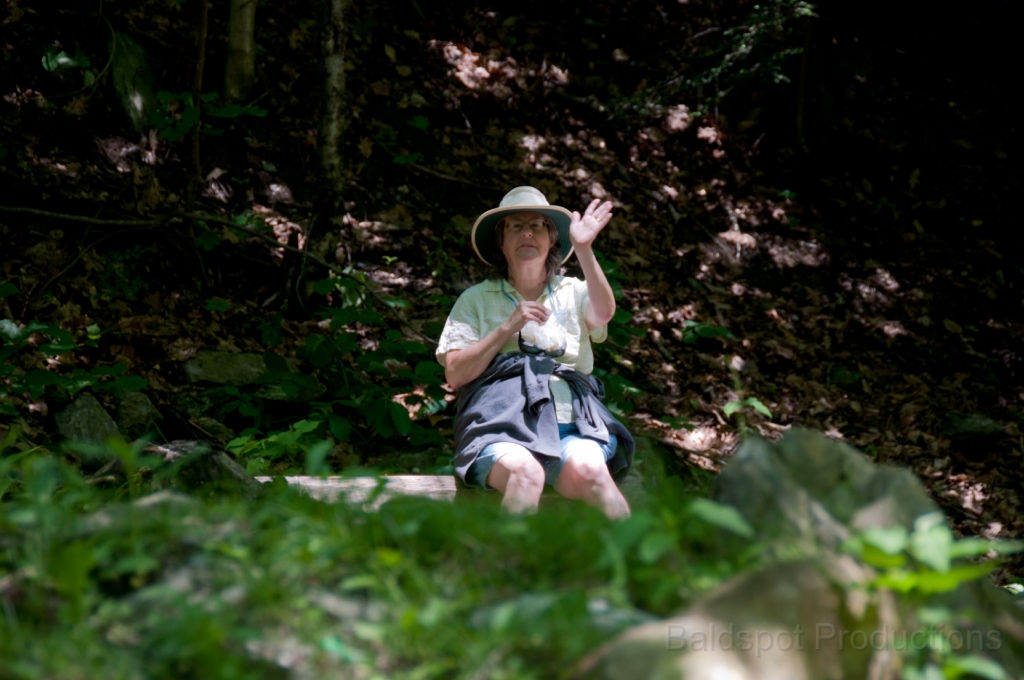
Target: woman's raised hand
column 584, row 228
column 526, row 311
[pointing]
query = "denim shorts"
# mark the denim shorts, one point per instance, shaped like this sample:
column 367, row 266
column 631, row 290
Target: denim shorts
column 571, row 439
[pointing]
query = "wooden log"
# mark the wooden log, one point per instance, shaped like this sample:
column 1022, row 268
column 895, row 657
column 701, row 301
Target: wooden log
column 360, row 489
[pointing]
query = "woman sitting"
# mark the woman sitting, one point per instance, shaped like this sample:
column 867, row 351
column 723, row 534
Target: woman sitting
column 519, row 346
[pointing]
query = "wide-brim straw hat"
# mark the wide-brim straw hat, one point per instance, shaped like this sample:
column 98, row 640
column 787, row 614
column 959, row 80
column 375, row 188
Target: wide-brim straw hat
column 520, row 199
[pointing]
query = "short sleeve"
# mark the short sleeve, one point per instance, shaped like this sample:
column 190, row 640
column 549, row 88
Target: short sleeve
column 597, row 335
column 462, row 329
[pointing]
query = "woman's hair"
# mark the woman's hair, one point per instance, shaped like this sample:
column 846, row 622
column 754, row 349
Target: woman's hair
column 552, row 265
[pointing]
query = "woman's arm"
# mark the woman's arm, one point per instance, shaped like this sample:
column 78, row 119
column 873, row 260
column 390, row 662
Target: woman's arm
column 583, row 230
column 465, row 365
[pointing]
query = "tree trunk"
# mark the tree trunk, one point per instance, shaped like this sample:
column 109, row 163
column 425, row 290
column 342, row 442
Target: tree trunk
column 333, row 115
column 197, row 129
column 240, row 71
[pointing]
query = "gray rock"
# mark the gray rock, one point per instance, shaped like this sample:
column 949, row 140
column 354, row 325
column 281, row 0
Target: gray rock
column 308, row 388
column 136, row 415
column 966, row 426
column 768, row 625
column 239, row 370
column 225, row 368
column 810, row 486
column 214, row 427
column 86, row 420
column 202, row 403
column 204, row 467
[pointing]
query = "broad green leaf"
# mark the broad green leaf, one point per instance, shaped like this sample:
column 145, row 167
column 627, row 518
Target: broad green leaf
column 8, row 289
column 316, row 457
column 758, row 406
column 890, row 540
column 400, row 417
column 324, row 286
column 724, row 516
column 115, row 369
column 306, row 426
column 932, row 541
column 972, row 664
column 275, row 363
column 132, row 383
column 654, row 545
column 731, row 408
column 340, row 427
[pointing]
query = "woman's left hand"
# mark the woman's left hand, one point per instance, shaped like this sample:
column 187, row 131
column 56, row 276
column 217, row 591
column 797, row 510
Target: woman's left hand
column 584, row 228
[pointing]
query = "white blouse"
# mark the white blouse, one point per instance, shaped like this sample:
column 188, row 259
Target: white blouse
column 484, row 307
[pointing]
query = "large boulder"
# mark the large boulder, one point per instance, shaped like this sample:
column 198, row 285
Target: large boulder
column 816, row 488
column 137, row 416
column 86, row 420
column 279, row 383
column 821, row 617
column 203, row 467
column 225, row 368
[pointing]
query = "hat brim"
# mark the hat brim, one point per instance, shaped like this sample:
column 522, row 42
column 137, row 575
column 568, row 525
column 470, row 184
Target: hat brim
column 482, row 236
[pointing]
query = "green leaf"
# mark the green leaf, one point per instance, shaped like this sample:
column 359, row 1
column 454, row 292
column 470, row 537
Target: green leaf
column 430, row 372
column 622, row 317
column 758, row 406
column 723, row 516
column 407, row 158
column 972, row 664
column 400, row 417
column 208, row 240
column 115, row 369
column 890, row 540
column 340, row 427
column 275, row 363
column 316, row 457
column 8, row 289
column 654, row 545
column 731, row 408
column 215, row 304
column 324, row 286
column 932, row 541
column 132, row 383
column 306, row 426
column 420, row 122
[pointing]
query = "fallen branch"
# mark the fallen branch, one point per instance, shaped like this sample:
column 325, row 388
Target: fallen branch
column 86, row 220
column 216, row 219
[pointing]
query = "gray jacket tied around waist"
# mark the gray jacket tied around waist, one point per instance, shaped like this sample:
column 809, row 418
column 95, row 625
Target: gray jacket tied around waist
column 511, row 402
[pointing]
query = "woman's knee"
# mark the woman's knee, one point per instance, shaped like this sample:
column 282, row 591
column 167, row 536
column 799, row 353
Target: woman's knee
column 588, row 465
column 521, row 465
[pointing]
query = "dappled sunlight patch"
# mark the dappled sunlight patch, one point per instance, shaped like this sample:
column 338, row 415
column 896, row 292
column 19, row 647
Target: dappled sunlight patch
column 791, row 253
column 893, row 329
column 284, row 229
column 678, row 118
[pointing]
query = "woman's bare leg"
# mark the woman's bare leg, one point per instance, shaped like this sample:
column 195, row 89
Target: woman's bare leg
column 585, row 476
column 521, row 477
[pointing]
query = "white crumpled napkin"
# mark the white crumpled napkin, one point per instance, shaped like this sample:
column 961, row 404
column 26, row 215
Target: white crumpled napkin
column 549, row 336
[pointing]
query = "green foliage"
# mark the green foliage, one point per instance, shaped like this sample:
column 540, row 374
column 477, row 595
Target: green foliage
column 180, row 114
column 751, row 50
column 695, row 330
column 924, row 562
column 753, row 402
column 15, row 382
column 172, row 586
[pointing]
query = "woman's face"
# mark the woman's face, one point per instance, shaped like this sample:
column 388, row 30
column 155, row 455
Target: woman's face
column 525, row 238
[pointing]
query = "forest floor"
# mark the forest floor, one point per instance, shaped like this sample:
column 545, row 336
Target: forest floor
column 848, row 238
